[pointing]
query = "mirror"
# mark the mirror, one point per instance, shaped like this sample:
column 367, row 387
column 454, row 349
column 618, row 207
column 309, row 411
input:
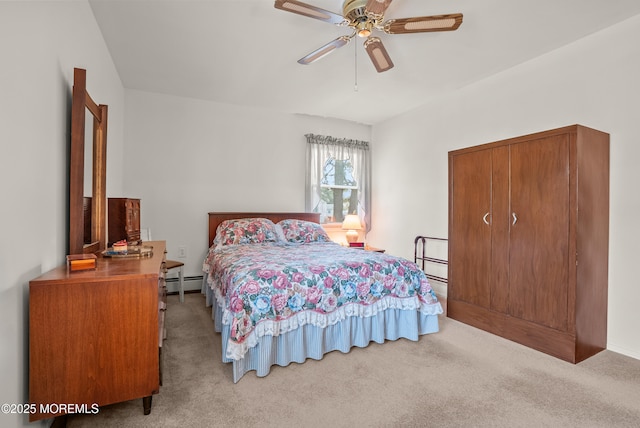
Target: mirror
column 88, row 178
column 96, row 120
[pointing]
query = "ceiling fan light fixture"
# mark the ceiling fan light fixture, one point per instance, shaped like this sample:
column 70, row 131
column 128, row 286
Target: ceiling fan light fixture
column 364, row 28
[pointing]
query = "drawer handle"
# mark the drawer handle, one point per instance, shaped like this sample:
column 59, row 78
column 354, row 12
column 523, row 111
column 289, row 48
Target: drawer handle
column 515, row 218
column 485, row 218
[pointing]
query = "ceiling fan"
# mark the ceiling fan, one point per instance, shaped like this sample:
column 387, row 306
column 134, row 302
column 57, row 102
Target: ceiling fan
column 364, row 16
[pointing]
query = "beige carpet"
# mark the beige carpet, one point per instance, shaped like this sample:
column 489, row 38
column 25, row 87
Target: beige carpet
column 459, row 377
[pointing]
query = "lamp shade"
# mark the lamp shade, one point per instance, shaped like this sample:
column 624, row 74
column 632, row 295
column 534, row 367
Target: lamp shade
column 352, row 222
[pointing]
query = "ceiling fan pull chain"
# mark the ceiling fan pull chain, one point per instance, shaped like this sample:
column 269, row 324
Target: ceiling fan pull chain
column 355, row 56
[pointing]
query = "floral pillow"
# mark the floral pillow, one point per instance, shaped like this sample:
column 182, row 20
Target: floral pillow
column 245, row 231
column 301, row 232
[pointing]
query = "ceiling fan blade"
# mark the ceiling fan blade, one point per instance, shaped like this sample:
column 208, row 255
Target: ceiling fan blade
column 324, row 50
column 423, row 24
column 309, row 11
column 378, row 54
column 377, row 7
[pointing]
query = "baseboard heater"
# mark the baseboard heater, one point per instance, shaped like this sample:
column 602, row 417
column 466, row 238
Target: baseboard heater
column 191, row 284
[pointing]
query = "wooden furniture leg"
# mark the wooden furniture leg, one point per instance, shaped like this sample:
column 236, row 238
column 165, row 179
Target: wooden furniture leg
column 146, row 404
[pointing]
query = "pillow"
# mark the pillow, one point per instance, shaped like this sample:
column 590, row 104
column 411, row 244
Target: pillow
column 245, row 231
column 300, row 231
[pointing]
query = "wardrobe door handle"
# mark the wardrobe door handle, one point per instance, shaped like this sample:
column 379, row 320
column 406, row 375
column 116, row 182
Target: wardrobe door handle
column 485, row 218
column 515, row 219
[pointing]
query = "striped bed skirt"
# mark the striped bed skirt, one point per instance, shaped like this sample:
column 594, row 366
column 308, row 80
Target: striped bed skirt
column 310, row 341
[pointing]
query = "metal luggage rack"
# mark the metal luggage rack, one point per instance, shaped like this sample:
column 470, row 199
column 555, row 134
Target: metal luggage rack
column 421, row 243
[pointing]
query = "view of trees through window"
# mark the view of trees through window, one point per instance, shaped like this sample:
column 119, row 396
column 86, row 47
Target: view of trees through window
column 339, row 194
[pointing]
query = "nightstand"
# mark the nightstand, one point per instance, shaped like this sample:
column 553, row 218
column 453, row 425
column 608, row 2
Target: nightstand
column 377, row 250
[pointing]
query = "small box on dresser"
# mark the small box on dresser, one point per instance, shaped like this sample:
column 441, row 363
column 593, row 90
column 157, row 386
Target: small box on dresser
column 95, row 336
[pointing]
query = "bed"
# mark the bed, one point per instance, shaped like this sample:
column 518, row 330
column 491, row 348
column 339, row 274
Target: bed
column 281, row 291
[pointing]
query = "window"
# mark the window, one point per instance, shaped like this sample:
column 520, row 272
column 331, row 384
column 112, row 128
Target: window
column 338, row 190
column 338, row 178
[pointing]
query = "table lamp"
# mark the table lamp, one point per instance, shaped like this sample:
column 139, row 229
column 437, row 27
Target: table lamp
column 351, row 224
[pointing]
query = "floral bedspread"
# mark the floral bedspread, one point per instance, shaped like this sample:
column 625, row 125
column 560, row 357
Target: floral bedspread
column 274, row 288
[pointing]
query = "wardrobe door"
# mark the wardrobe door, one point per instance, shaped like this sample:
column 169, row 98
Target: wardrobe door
column 470, row 227
column 539, row 231
column 500, row 222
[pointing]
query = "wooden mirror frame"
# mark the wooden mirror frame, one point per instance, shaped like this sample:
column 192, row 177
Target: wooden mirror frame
column 82, row 102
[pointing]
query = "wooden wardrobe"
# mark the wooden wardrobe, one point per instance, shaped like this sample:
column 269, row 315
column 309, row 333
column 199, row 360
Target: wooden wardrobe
column 124, row 219
column 528, row 240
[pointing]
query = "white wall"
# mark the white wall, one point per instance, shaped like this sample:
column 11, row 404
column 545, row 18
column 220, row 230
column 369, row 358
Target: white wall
column 592, row 82
column 187, row 157
column 41, row 43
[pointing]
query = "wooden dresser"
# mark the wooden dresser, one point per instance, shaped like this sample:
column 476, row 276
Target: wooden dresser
column 95, row 336
column 123, row 219
column 529, row 239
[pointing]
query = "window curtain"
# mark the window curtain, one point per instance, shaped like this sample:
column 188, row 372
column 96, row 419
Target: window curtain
column 319, row 149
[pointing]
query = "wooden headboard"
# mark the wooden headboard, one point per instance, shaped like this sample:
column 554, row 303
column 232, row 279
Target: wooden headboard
column 216, row 218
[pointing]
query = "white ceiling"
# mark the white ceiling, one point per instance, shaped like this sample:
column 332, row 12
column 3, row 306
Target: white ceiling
column 244, row 52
